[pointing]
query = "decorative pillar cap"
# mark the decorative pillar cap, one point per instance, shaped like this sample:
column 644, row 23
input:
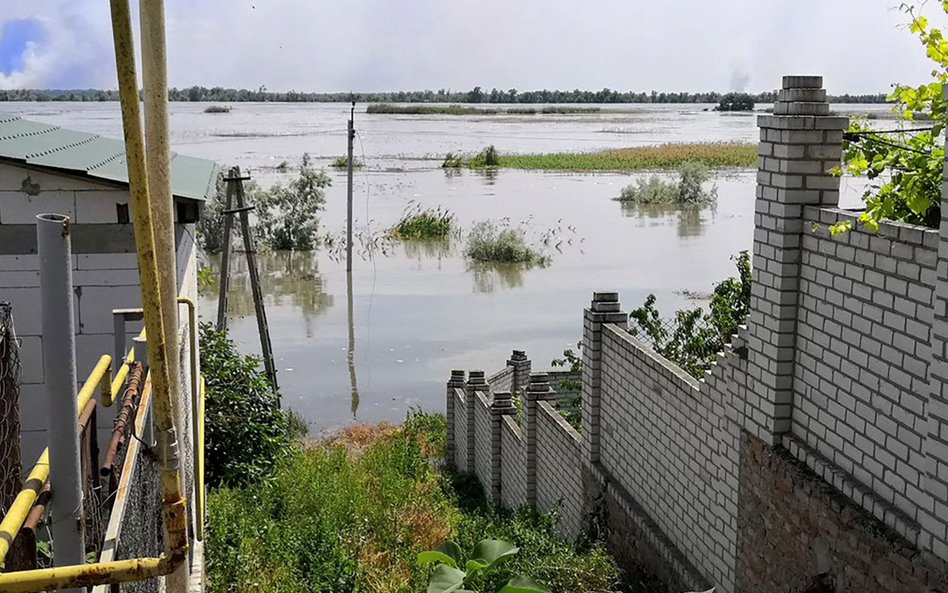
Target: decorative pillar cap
column 518, row 356
column 802, row 82
column 539, row 383
column 503, row 401
column 476, row 378
column 457, row 377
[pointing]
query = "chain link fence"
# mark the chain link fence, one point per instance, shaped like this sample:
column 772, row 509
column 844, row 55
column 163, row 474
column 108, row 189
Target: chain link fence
column 689, row 339
column 10, row 481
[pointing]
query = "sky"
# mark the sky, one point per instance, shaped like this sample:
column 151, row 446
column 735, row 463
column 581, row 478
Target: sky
column 859, row 46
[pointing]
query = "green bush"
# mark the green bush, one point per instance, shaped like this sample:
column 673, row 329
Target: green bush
column 288, row 214
column 736, row 102
column 688, row 190
column 245, row 429
column 491, row 242
column 693, row 337
column 489, row 157
column 342, row 162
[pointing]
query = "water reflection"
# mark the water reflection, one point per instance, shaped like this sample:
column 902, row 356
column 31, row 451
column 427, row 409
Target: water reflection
column 691, row 220
column 350, row 355
column 437, row 250
column 490, row 277
column 488, row 176
column 287, row 278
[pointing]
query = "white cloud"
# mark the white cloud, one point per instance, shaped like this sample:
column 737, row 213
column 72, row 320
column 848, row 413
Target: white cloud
column 382, row 45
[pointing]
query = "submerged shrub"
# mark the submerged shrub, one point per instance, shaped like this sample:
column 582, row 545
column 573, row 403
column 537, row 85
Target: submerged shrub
column 452, row 161
column 342, row 162
column 491, row 242
column 419, row 223
column 489, row 157
column 288, row 214
column 687, row 190
column 245, row 429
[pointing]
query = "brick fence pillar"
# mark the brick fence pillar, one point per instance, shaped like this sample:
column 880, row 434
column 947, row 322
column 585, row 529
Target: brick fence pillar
column 799, row 145
column 604, row 309
column 501, row 406
column 521, row 370
column 537, row 390
column 456, row 382
column 933, row 511
column 475, row 382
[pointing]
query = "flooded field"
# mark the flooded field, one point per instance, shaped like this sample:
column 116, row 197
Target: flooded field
column 418, row 311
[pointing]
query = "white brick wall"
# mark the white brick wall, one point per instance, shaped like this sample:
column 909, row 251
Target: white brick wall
column 559, row 470
column 661, row 441
column 460, row 430
column 513, row 464
column 482, row 449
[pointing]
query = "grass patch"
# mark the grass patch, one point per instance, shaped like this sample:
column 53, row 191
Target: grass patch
column 489, row 241
column 217, row 109
column 688, row 190
column 386, row 108
column 425, row 224
column 338, row 519
column 666, row 156
column 342, row 162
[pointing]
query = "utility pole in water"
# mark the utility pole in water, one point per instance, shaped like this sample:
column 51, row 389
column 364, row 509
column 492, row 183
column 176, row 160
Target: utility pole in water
column 349, row 192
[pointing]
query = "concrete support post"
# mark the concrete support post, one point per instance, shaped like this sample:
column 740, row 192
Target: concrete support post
column 475, row 382
column 500, row 407
column 933, row 511
column 59, row 367
column 799, row 146
column 456, row 382
column 604, row 309
column 537, row 390
column 521, row 370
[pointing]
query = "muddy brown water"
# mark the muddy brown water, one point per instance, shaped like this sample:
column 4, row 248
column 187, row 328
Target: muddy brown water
column 420, row 310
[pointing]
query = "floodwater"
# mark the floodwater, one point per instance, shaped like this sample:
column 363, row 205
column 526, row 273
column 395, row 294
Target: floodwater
column 412, row 312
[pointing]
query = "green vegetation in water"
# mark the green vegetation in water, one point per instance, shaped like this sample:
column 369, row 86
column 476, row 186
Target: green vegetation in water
column 247, row 434
column 693, row 338
column 489, row 241
column 342, row 162
column 665, row 156
column 217, row 109
column 424, row 224
column 386, row 108
column 688, row 190
column 353, row 513
column 736, row 102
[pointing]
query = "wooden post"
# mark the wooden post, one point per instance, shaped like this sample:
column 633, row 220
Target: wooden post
column 265, row 347
column 225, row 258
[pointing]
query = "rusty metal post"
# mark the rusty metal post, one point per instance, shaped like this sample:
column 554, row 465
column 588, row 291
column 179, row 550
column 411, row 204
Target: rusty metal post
column 59, row 368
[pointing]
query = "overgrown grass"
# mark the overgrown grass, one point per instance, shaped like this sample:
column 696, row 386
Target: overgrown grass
column 387, row 108
column 344, row 518
column 217, row 109
column 489, row 241
column 688, row 190
column 665, row 156
column 419, row 223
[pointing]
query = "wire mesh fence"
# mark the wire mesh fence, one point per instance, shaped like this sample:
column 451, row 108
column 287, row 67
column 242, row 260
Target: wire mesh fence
column 9, row 409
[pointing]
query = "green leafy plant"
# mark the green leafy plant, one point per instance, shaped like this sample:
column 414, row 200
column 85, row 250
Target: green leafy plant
column 489, row 241
column 489, row 157
column 288, row 214
column 448, row 575
column 904, row 167
column 246, row 431
column 452, row 161
column 572, row 361
column 693, row 337
column 206, row 279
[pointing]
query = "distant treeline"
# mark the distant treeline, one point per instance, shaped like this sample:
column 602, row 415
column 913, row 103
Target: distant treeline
column 475, row 95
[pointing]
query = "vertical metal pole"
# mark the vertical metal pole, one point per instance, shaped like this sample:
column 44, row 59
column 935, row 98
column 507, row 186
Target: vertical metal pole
column 262, row 326
column 225, row 257
column 349, row 192
column 59, row 364
column 141, row 355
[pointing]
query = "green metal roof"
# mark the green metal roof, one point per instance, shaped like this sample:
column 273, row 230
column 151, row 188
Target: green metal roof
column 42, row 145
